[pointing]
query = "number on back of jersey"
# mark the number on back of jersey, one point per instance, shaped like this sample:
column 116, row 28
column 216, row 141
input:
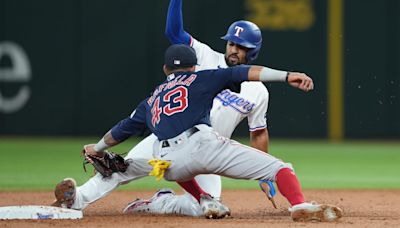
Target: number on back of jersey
column 178, row 104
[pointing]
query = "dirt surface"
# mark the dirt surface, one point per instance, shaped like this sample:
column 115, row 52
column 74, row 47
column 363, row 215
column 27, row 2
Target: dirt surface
column 362, row 208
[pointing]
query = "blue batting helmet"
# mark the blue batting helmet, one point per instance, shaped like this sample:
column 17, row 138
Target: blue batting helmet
column 246, row 34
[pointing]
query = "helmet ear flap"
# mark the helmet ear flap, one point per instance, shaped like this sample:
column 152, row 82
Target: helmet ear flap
column 252, row 54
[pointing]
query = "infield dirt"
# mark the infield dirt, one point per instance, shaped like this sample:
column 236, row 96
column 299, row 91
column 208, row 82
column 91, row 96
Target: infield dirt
column 250, row 208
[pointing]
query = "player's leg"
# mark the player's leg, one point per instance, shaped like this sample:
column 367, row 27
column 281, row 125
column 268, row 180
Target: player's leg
column 175, row 204
column 197, row 203
column 238, row 161
column 184, row 204
column 144, row 149
column 218, row 155
column 211, row 184
column 98, row 186
column 215, row 154
column 166, row 203
column 235, row 160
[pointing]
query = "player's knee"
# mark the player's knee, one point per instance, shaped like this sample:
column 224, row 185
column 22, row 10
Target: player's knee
column 169, row 177
column 289, row 165
column 282, row 165
column 285, row 165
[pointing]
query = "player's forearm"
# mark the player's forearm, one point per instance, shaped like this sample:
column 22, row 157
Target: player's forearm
column 265, row 74
column 109, row 139
column 106, row 142
column 174, row 25
column 98, row 149
column 260, row 140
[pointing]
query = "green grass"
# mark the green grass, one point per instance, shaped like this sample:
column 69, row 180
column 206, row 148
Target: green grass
column 39, row 163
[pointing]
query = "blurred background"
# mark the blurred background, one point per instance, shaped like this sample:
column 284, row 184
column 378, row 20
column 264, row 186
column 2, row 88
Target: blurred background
column 76, row 67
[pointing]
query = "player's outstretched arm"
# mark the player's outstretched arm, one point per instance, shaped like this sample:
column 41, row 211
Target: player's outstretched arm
column 265, row 74
column 174, row 24
column 135, row 124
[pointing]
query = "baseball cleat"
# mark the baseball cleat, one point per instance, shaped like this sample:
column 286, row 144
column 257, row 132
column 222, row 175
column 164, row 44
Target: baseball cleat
column 213, row 209
column 315, row 212
column 226, row 209
column 65, row 193
column 268, row 188
column 143, row 205
column 137, row 206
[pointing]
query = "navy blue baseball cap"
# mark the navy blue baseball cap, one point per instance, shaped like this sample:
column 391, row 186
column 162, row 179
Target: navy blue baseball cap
column 180, row 55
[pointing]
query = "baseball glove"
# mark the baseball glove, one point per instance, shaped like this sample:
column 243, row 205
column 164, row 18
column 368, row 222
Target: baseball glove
column 107, row 165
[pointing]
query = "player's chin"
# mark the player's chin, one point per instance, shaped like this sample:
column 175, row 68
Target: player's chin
column 233, row 61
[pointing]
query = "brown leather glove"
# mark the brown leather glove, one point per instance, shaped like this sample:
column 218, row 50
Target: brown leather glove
column 107, row 165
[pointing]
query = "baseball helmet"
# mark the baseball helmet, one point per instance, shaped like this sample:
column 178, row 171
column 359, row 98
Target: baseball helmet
column 246, row 34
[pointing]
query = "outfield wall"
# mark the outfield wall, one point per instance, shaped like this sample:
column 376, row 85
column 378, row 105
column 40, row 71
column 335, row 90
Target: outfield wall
column 76, row 67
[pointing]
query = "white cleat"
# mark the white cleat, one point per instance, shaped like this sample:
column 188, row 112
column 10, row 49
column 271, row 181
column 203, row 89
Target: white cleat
column 213, row 209
column 143, row 205
column 315, row 212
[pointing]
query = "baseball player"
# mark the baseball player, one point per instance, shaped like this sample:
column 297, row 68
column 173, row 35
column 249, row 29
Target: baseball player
column 178, row 113
column 71, row 196
column 252, row 102
column 244, row 41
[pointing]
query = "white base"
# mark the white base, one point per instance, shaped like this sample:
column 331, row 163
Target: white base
column 38, row 212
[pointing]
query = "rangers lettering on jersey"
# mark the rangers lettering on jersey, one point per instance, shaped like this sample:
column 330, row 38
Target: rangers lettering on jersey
column 241, row 105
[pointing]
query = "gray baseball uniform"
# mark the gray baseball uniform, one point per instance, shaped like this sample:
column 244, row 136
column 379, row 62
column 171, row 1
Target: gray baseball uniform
column 229, row 108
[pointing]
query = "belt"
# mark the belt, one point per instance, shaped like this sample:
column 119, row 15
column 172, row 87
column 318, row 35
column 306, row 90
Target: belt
column 189, row 132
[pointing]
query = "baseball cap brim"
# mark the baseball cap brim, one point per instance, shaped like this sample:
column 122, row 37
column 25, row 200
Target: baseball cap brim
column 238, row 40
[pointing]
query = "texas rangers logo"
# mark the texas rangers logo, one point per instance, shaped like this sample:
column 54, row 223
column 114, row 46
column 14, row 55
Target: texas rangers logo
column 231, row 99
column 238, row 30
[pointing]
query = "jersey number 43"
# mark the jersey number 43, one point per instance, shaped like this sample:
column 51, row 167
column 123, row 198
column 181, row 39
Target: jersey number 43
column 171, row 106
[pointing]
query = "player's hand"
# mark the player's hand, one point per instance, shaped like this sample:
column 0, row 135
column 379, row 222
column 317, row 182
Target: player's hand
column 300, row 81
column 89, row 149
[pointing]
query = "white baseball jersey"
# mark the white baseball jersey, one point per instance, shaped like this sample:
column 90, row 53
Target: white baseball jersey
column 229, row 108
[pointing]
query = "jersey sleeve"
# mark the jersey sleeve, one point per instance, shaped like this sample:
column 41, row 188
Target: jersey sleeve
column 220, row 79
column 135, row 124
column 235, row 75
column 174, row 25
column 205, row 54
column 257, row 118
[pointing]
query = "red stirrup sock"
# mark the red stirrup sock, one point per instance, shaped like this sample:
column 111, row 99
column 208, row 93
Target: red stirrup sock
column 289, row 186
column 193, row 188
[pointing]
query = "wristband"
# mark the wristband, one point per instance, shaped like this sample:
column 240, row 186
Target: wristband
column 271, row 75
column 101, row 145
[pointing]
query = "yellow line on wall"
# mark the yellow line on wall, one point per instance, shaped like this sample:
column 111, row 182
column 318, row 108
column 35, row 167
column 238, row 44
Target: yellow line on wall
column 335, row 70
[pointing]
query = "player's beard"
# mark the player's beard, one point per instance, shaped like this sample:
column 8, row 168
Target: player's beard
column 232, row 60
